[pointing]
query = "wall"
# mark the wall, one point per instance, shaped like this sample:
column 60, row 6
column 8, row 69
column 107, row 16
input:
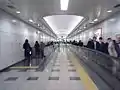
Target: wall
column 12, row 36
column 110, row 28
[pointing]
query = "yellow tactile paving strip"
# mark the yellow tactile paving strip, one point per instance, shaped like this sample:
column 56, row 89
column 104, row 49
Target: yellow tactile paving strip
column 87, row 81
column 24, row 67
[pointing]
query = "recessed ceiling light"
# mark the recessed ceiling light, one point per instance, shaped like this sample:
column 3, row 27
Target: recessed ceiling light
column 109, row 11
column 92, row 22
column 64, row 4
column 96, row 20
column 112, row 20
column 38, row 25
column 84, row 27
column 14, row 21
column 18, row 12
column 38, row 32
column 30, row 20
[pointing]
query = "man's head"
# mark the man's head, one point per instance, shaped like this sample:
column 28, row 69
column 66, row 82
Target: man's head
column 101, row 39
column 26, row 41
column 109, row 39
column 94, row 38
column 36, row 42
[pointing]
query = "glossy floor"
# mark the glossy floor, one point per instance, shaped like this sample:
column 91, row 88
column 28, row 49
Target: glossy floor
column 59, row 74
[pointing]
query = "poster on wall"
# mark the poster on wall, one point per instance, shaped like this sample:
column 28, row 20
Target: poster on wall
column 98, row 33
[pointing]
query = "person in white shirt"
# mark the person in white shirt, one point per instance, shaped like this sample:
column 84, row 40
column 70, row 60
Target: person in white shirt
column 111, row 48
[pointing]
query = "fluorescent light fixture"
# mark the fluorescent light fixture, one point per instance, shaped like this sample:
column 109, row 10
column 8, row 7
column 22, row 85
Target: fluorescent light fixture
column 64, row 4
column 109, row 11
column 96, row 20
column 18, row 12
column 84, row 27
column 30, row 20
column 38, row 25
column 14, row 21
column 38, row 32
column 112, row 20
column 92, row 22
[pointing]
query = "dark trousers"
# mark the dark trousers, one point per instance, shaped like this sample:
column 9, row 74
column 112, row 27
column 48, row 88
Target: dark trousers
column 42, row 54
column 27, row 61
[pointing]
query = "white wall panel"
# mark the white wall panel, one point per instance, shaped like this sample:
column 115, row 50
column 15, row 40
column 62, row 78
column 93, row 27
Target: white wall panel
column 12, row 37
column 110, row 28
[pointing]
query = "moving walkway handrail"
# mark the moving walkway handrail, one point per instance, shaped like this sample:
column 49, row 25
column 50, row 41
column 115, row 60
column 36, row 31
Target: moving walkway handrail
column 101, row 53
column 108, row 62
column 106, row 67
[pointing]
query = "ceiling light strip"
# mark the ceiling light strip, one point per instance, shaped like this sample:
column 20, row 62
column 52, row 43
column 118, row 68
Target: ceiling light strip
column 64, row 4
column 109, row 11
column 18, row 12
column 96, row 20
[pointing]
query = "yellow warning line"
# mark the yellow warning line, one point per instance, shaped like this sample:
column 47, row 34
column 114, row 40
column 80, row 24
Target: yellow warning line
column 24, row 67
column 87, row 81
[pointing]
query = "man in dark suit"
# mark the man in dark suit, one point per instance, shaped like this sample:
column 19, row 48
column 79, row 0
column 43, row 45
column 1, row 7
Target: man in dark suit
column 96, row 44
column 102, row 45
column 93, row 44
column 90, row 44
column 80, row 43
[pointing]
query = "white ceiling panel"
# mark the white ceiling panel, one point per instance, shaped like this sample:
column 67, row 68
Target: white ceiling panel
column 37, row 9
column 63, row 24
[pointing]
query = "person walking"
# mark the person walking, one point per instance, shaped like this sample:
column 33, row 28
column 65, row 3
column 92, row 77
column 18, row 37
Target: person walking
column 96, row 44
column 102, row 45
column 37, row 49
column 111, row 48
column 90, row 44
column 37, row 52
column 27, row 52
column 93, row 44
column 42, row 46
column 117, row 48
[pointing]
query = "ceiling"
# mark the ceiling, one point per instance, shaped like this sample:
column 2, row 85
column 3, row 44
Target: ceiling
column 62, row 25
column 37, row 9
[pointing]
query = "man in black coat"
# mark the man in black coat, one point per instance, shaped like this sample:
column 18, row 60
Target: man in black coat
column 27, row 51
column 90, row 44
column 96, row 44
column 80, row 43
column 93, row 44
column 102, row 45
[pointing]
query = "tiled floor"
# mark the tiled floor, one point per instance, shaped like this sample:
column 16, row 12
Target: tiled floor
column 60, row 74
column 68, row 78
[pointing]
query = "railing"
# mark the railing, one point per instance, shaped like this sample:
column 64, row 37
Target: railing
column 47, row 50
column 109, row 65
column 36, row 61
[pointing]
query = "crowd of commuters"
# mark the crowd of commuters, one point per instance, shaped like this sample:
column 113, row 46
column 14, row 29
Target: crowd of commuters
column 111, row 47
column 38, row 47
